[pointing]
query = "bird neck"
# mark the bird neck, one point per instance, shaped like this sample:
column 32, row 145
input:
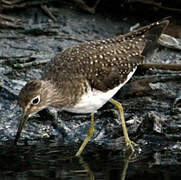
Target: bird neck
column 54, row 95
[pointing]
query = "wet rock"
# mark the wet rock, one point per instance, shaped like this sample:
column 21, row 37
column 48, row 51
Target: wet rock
column 169, row 42
column 177, row 103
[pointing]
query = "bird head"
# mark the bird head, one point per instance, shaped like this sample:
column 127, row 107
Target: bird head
column 32, row 98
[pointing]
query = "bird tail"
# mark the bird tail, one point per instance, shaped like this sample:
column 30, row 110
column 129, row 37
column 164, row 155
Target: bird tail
column 152, row 34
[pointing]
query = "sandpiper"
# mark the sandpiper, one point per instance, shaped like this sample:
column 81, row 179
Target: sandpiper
column 82, row 78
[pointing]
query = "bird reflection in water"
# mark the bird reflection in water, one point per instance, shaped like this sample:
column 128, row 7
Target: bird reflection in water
column 87, row 169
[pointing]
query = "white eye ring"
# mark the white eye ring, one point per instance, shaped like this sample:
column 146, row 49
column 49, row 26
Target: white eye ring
column 35, row 100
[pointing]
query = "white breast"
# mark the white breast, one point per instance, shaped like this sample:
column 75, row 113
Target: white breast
column 95, row 99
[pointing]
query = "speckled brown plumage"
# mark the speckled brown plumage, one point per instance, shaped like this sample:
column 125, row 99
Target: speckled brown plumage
column 81, row 79
column 100, row 64
column 104, row 63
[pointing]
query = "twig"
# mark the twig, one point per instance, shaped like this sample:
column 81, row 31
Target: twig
column 37, row 31
column 172, row 67
column 9, row 26
column 12, row 37
column 158, row 77
column 24, row 48
column 33, row 63
column 141, row 85
column 159, row 6
column 11, row 19
column 22, row 56
column 48, row 12
column 11, row 2
column 69, row 38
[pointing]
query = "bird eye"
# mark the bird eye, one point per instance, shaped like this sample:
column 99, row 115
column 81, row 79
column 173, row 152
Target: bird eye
column 35, row 100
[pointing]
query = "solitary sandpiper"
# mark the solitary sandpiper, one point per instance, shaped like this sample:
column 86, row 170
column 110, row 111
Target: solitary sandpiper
column 81, row 79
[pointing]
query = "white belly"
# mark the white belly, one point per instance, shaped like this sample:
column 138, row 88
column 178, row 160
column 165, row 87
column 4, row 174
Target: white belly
column 95, row 99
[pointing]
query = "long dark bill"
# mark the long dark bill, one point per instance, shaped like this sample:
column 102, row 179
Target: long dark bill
column 20, row 127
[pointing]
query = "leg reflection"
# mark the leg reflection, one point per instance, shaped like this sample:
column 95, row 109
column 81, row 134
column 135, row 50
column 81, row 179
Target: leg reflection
column 86, row 168
column 90, row 173
column 127, row 158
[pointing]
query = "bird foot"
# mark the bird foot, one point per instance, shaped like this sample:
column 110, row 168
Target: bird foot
column 130, row 145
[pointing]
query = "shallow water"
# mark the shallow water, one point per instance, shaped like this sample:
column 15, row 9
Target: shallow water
column 48, row 160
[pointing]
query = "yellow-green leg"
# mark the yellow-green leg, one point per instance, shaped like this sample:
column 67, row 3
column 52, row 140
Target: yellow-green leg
column 89, row 135
column 129, row 143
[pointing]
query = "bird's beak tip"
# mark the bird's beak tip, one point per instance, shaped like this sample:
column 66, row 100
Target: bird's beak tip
column 20, row 127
